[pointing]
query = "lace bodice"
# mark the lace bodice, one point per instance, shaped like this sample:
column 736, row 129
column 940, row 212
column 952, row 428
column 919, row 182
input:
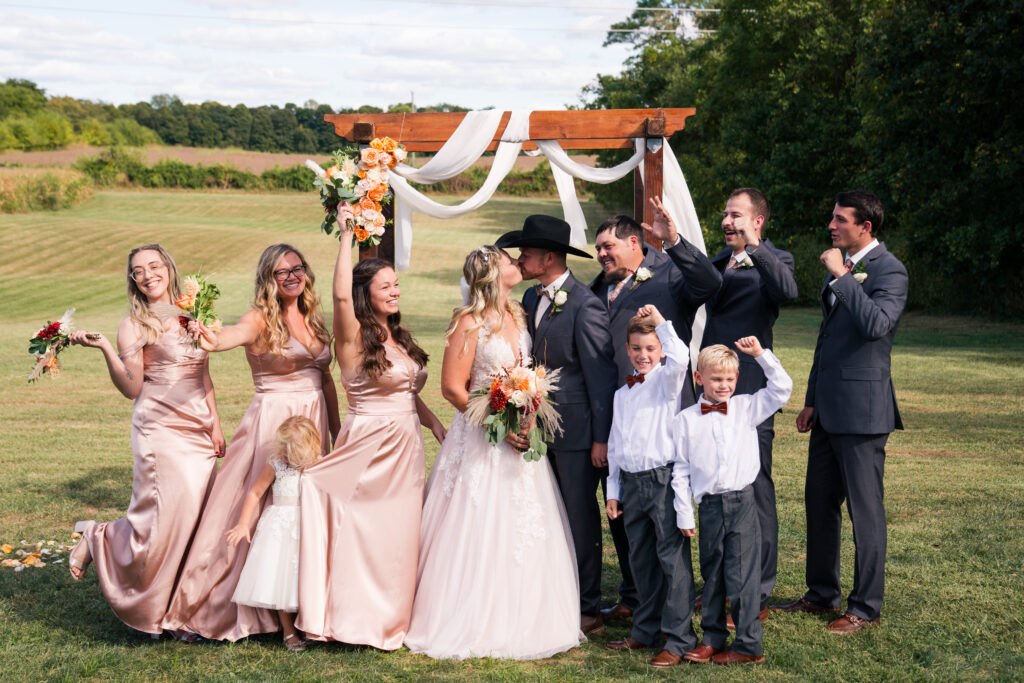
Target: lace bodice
column 494, row 353
column 286, row 484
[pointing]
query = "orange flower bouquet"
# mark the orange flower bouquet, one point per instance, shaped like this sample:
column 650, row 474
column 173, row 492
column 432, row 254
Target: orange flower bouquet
column 196, row 301
column 354, row 189
column 518, row 397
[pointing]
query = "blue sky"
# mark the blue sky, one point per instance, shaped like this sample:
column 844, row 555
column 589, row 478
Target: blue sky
column 511, row 54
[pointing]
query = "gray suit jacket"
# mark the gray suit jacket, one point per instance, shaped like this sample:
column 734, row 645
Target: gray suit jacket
column 850, row 386
column 576, row 340
column 747, row 304
column 682, row 279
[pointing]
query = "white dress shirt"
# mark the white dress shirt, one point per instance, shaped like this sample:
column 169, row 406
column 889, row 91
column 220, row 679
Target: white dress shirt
column 544, row 303
column 855, row 258
column 641, row 436
column 716, row 453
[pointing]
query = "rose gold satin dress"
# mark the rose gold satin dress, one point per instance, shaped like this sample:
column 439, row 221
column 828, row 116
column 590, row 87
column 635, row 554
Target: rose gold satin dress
column 360, row 515
column 137, row 558
column 286, row 385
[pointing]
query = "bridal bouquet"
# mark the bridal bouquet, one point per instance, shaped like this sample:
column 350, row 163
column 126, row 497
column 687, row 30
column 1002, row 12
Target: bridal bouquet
column 517, row 397
column 354, row 188
column 197, row 301
column 47, row 344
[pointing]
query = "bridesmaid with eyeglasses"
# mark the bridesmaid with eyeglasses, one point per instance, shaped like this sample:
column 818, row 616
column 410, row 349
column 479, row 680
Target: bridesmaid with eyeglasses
column 288, row 348
column 176, row 439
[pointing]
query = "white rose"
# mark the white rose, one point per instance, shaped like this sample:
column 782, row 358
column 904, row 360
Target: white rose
column 643, row 274
column 399, row 154
column 561, row 296
column 860, row 277
column 518, row 398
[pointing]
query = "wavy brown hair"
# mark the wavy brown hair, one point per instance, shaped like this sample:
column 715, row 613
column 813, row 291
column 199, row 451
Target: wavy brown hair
column 150, row 326
column 372, row 334
column 267, row 301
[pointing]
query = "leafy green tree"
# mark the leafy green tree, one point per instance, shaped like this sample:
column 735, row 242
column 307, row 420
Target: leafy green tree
column 19, row 96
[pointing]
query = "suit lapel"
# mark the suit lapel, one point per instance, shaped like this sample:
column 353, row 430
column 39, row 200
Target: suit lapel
column 630, row 289
column 569, row 285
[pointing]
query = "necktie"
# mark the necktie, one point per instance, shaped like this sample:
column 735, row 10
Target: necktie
column 634, row 379
column 706, row 408
column 849, row 264
column 732, row 263
column 615, row 292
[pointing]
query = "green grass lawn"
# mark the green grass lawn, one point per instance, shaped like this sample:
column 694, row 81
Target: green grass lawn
column 955, row 479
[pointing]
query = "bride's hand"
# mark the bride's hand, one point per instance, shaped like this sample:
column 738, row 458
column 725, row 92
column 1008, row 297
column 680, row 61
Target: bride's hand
column 439, row 432
column 517, row 441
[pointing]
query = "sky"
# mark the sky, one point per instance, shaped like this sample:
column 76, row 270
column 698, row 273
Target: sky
column 507, row 54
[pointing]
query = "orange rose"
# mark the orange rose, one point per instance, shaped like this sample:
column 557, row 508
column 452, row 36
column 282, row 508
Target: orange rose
column 369, row 156
column 389, row 145
column 378, row 144
column 361, row 173
column 366, row 204
column 331, row 171
column 379, row 221
column 361, row 234
column 185, row 301
column 377, row 193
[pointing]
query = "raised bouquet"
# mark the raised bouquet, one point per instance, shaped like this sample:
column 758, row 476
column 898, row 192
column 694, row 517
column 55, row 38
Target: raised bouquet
column 47, row 344
column 354, row 189
column 197, row 301
column 517, row 397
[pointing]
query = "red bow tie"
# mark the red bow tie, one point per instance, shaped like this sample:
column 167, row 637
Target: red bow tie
column 634, row 379
column 706, row 408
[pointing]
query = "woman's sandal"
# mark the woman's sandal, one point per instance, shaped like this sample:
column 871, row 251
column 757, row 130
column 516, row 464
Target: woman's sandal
column 77, row 565
column 183, row 636
column 294, row 643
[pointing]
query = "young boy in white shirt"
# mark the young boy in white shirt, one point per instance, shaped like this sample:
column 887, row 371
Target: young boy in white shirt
column 641, row 489
column 717, row 459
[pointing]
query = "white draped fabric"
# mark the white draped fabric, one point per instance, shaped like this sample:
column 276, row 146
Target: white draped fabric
column 468, row 143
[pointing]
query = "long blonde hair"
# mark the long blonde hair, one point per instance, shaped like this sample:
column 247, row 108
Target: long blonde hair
column 266, row 300
column 297, row 442
column 150, row 326
column 482, row 270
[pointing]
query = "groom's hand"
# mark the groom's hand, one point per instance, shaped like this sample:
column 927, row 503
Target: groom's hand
column 517, row 441
column 599, row 455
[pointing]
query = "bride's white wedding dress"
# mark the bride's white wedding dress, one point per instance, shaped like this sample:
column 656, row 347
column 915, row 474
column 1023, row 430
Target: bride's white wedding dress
column 497, row 572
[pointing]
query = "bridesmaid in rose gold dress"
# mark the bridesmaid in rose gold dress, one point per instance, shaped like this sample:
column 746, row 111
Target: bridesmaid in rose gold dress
column 360, row 505
column 288, row 348
column 176, row 439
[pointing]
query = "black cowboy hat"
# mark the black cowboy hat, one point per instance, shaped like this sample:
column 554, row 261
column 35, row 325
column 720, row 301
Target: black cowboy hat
column 542, row 232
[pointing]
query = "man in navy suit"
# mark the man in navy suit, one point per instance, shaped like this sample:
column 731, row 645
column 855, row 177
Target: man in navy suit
column 756, row 278
column 677, row 281
column 569, row 326
column 850, row 410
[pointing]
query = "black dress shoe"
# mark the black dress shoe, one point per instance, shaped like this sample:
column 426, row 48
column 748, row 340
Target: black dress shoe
column 616, row 612
column 802, row 604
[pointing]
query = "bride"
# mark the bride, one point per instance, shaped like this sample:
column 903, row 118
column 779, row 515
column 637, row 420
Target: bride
column 497, row 573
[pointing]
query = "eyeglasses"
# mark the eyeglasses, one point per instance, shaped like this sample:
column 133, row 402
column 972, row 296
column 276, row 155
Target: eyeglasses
column 141, row 272
column 284, row 273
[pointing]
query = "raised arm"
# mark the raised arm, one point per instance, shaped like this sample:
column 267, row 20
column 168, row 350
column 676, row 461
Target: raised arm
column 457, row 364
column 776, row 270
column 877, row 314
column 246, row 333
column 125, row 370
column 346, row 327
column 700, row 277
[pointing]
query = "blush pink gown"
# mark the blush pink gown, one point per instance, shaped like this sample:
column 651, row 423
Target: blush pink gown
column 287, row 384
column 360, row 515
column 137, row 558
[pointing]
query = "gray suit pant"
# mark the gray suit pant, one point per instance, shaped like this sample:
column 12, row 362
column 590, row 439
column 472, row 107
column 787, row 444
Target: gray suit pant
column 846, row 467
column 660, row 558
column 730, row 562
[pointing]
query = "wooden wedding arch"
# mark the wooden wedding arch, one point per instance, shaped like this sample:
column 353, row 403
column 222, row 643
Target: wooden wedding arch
column 574, row 130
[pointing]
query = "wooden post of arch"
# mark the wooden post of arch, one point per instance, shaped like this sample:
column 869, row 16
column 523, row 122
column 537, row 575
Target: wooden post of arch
column 586, row 129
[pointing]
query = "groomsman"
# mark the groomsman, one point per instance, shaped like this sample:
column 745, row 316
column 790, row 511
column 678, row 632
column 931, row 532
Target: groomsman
column 677, row 281
column 756, row 278
column 850, row 410
column 569, row 326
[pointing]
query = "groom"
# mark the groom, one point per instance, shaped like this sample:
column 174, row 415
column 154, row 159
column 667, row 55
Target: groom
column 569, row 326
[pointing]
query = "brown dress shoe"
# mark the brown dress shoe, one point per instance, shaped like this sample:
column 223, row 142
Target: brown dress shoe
column 849, row 623
column 701, row 654
column 665, row 659
column 616, row 612
column 802, row 604
column 731, row 625
column 732, row 657
column 698, row 604
column 591, row 624
column 630, row 643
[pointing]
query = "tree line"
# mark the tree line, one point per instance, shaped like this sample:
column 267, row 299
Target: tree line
column 29, row 120
column 910, row 99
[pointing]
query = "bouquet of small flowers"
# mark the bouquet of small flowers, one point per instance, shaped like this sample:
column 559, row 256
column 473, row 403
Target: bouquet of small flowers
column 197, row 301
column 48, row 343
column 354, row 188
column 516, row 397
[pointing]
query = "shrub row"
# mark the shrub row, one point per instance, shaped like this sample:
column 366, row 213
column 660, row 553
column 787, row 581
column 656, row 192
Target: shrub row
column 39, row 190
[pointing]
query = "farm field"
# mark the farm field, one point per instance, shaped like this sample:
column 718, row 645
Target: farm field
column 954, row 480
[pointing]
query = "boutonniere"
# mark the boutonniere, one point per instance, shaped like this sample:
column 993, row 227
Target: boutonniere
column 743, row 265
column 860, row 272
column 558, row 300
column 641, row 276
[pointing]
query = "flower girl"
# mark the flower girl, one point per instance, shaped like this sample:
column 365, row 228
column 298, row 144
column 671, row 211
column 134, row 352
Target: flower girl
column 270, row 577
